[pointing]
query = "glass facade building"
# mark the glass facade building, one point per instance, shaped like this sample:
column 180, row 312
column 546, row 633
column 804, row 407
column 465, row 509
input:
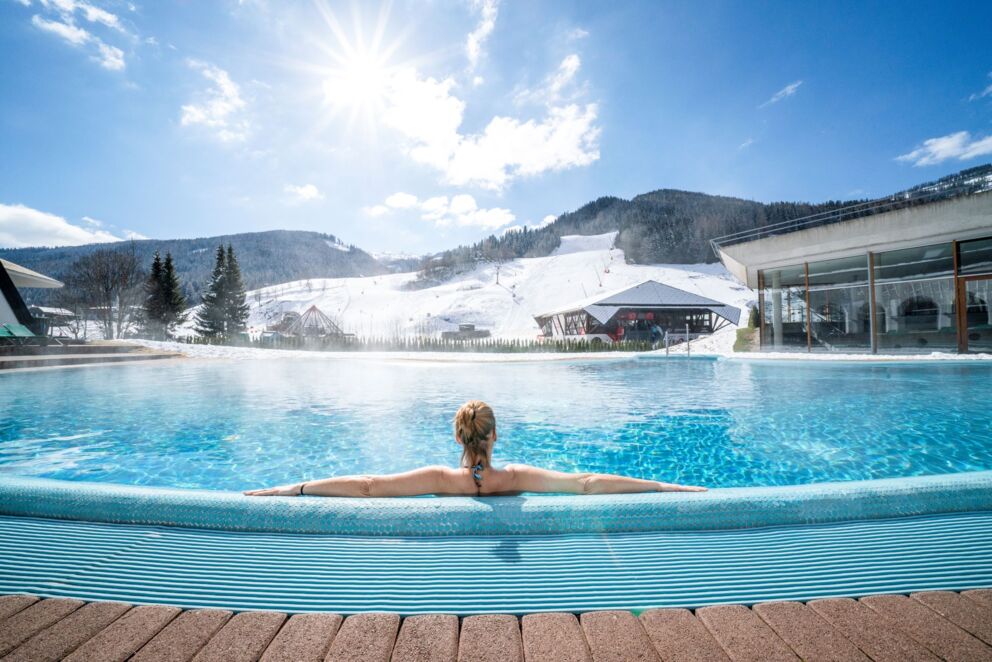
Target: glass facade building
column 925, row 298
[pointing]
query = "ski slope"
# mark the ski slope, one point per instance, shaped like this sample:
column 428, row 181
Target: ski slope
column 582, row 267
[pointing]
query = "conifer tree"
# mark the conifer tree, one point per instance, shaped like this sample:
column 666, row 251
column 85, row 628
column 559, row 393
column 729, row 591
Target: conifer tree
column 212, row 317
column 236, row 307
column 153, row 307
column 173, row 301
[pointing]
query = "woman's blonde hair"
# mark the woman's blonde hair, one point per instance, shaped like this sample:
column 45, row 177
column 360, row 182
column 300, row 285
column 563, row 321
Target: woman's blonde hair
column 474, row 422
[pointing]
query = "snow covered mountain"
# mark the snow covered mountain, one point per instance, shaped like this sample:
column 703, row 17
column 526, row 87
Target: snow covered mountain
column 502, row 298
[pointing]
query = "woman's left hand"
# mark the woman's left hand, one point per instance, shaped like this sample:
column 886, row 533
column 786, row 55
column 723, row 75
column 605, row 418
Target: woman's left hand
column 284, row 490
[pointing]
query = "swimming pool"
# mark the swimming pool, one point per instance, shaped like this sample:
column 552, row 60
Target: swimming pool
column 232, row 425
column 839, row 479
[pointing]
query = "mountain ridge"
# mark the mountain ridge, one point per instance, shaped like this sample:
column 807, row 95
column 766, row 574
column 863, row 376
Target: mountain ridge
column 266, row 258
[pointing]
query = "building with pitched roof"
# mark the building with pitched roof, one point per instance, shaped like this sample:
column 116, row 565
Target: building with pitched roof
column 12, row 307
column 632, row 313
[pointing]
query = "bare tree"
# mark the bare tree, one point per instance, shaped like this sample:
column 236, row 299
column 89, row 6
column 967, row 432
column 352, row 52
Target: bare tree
column 71, row 297
column 110, row 282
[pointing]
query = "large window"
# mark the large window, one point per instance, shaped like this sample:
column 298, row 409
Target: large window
column 975, row 268
column 978, row 315
column 975, row 257
column 839, row 303
column 914, row 306
column 914, row 292
column 784, row 315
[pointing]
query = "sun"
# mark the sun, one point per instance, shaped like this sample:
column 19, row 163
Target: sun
column 358, row 83
column 356, row 77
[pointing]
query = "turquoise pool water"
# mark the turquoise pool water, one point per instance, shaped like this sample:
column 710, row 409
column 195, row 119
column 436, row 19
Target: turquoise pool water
column 231, row 425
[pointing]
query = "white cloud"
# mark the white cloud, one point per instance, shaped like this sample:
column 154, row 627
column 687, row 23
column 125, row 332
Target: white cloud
column 375, row 211
column 69, row 33
column 68, row 8
column 984, row 93
column 111, row 57
column 401, row 201
column 577, row 33
column 108, row 56
column 219, row 107
column 131, row 234
column 22, row 226
column 477, row 38
column 92, row 222
column 551, row 90
column 304, row 193
column 747, row 143
column 97, row 15
column 784, row 93
column 958, row 146
column 429, row 116
column 460, row 210
column 509, row 148
column 565, row 74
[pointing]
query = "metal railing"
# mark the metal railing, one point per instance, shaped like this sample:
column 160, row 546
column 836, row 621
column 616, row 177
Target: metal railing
column 965, row 183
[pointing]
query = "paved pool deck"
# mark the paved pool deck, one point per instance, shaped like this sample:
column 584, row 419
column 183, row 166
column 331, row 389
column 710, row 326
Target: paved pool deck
column 938, row 625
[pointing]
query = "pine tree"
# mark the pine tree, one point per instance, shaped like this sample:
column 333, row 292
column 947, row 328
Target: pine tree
column 212, row 317
column 235, row 305
column 153, row 307
column 173, row 301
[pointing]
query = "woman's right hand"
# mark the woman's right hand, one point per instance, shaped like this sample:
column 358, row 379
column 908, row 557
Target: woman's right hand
column 284, row 490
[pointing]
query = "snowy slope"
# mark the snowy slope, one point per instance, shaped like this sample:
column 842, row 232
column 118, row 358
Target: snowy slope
column 581, row 267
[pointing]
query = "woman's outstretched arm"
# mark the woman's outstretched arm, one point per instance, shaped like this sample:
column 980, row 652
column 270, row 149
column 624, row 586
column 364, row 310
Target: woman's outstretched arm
column 426, row 480
column 533, row 479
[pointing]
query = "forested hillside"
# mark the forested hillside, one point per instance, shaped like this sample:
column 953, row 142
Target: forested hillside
column 266, row 258
column 661, row 227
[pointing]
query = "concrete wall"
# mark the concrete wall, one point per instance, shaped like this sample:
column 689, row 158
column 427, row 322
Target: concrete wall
column 939, row 222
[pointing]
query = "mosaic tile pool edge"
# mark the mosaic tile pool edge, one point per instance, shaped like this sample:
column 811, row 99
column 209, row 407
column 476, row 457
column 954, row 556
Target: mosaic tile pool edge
column 731, row 508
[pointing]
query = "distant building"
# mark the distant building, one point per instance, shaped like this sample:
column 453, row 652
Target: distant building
column 909, row 272
column 12, row 307
column 314, row 324
column 52, row 318
column 633, row 314
column 465, row 332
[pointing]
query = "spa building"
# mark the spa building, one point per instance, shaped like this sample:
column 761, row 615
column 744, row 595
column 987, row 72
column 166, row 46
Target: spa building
column 911, row 272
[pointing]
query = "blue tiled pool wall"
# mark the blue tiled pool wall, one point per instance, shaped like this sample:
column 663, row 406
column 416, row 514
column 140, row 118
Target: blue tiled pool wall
column 464, row 575
column 731, row 508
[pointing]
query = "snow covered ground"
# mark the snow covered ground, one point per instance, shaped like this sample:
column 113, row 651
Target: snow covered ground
column 582, row 267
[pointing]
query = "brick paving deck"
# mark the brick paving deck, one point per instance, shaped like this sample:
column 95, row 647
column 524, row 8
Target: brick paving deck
column 935, row 625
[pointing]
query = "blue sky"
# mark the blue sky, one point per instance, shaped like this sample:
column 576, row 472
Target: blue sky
column 415, row 126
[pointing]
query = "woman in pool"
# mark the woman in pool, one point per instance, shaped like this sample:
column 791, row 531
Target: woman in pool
column 475, row 431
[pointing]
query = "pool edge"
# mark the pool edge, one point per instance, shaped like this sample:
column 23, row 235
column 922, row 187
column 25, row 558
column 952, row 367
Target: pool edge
column 728, row 508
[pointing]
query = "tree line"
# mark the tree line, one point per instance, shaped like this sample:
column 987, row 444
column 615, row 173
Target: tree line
column 111, row 288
